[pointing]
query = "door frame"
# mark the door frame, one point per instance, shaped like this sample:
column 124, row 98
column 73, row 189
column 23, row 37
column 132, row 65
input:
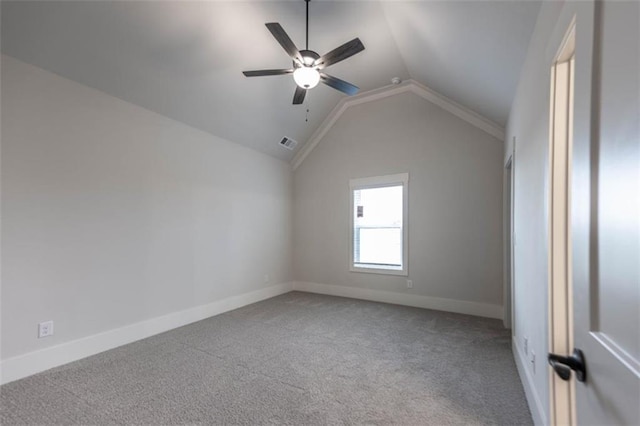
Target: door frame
column 508, row 289
column 562, row 404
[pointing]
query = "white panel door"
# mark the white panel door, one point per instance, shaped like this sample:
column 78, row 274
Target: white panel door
column 606, row 217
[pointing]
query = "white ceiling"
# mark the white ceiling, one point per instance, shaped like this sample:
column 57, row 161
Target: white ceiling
column 184, row 59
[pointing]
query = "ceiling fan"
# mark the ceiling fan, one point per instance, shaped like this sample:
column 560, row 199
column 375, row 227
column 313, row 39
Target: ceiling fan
column 308, row 65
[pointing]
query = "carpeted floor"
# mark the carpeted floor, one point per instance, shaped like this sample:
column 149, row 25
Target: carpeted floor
column 299, row 359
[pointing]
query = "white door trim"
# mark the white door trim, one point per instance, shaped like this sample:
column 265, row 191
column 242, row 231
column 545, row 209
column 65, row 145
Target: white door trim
column 561, row 392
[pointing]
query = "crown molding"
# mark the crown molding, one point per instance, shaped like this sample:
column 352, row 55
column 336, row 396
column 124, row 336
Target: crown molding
column 412, row 86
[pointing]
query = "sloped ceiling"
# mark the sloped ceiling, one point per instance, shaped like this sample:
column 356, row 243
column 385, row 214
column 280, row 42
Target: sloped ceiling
column 184, row 59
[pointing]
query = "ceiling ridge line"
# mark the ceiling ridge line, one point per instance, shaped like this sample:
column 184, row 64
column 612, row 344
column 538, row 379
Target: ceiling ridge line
column 410, row 85
column 394, row 37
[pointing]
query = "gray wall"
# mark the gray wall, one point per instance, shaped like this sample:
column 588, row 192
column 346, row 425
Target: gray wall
column 528, row 123
column 455, row 200
column 112, row 214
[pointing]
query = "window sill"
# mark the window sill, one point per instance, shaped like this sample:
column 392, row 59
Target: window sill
column 381, row 271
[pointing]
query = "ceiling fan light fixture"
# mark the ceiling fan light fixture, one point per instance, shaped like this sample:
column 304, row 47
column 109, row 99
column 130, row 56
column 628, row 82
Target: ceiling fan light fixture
column 306, row 77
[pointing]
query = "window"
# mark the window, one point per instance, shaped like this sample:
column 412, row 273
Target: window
column 378, row 223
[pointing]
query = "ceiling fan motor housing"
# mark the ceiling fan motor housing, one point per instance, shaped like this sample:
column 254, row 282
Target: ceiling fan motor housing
column 308, row 56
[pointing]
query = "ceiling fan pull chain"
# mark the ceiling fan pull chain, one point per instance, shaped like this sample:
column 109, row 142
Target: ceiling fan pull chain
column 307, row 117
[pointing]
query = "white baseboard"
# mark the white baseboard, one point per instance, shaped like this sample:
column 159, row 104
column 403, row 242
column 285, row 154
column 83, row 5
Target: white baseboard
column 34, row 362
column 407, row 299
column 535, row 405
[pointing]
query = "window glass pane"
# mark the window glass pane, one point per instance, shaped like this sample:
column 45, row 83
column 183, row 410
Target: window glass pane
column 381, row 246
column 377, row 233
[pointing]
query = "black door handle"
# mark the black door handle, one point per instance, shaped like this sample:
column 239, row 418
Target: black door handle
column 563, row 365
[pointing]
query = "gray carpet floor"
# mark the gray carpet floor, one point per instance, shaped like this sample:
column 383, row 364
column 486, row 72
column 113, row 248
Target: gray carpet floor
column 299, row 359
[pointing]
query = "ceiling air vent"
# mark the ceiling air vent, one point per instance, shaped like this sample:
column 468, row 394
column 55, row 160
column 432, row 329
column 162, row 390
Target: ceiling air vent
column 288, row 143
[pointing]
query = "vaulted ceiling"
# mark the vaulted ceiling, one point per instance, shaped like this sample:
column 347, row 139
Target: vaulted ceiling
column 185, row 59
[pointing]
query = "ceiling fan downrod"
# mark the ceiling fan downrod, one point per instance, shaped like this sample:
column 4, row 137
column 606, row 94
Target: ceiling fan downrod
column 307, row 1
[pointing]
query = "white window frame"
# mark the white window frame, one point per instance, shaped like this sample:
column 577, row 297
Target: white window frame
column 381, row 182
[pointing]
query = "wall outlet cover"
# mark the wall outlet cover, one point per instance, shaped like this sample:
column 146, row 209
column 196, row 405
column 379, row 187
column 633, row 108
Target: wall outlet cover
column 45, row 329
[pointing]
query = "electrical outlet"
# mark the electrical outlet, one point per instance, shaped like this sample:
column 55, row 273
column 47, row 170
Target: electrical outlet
column 526, row 345
column 266, row 278
column 45, row 329
column 409, row 284
column 533, row 362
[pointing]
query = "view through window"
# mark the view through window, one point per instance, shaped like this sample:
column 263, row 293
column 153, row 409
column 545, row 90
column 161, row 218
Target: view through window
column 378, row 226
